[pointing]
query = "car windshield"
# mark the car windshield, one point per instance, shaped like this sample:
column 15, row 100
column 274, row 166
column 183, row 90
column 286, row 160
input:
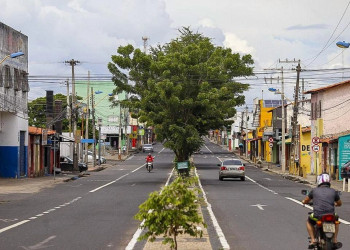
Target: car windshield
column 232, row 162
column 147, row 145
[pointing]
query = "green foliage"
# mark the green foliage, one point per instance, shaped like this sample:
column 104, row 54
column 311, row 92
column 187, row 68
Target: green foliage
column 37, row 113
column 182, row 88
column 174, row 208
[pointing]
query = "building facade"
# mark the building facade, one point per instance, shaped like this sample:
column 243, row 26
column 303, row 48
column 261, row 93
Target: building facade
column 13, row 103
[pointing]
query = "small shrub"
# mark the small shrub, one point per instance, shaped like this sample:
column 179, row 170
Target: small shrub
column 171, row 212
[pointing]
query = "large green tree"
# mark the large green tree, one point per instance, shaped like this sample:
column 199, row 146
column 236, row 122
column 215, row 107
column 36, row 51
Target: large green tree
column 182, row 88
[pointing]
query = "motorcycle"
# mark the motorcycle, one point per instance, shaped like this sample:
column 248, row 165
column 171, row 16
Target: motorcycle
column 325, row 231
column 149, row 166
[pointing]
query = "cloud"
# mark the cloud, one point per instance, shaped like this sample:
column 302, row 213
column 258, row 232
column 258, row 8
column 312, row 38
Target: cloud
column 237, row 44
column 307, row 27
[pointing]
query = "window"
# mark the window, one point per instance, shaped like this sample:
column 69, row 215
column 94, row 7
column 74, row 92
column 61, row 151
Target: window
column 17, row 80
column 1, row 79
column 232, row 162
column 24, row 81
column 8, row 78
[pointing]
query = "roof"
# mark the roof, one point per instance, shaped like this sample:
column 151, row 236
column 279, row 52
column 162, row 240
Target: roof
column 327, row 87
column 39, row 131
column 306, row 129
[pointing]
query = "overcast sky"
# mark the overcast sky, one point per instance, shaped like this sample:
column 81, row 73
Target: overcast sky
column 90, row 31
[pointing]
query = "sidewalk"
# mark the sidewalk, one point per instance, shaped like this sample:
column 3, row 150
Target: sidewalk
column 28, row 185
column 310, row 179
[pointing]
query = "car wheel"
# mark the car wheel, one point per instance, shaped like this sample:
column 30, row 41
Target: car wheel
column 242, row 178
column 220, row 178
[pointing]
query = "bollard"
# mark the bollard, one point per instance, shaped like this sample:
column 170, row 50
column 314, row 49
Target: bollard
column 343, row 184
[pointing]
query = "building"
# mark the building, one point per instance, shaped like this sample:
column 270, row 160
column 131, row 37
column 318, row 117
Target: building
column 13, row 103
column 329, row 116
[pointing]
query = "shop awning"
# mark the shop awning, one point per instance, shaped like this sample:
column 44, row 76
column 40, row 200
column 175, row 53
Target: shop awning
column 287, row 141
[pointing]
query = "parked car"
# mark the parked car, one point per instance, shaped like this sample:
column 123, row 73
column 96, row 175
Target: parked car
column 91, row 156
column 66, row 164
column 147, row 148
column 231, row 168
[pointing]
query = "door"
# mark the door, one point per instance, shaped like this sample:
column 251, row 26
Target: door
column 22, row 154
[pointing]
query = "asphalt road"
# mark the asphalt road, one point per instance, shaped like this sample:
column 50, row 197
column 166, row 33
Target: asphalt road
column 261, row 212
column 94, row 212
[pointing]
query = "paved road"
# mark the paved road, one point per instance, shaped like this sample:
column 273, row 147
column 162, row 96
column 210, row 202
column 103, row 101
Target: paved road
column 94, row 212
column 261, row 212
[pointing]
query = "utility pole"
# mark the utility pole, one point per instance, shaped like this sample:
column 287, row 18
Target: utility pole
column 72, row 63
column 246, row 132
column 283, row 120
column 69, row 109
column 120, row 132
column 294, row 141
column 283, row 156
column 87, row 117
column 93, row 127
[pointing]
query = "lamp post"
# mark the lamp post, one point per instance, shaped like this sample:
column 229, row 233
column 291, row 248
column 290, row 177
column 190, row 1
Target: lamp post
column 13, row 55
column 343, row 45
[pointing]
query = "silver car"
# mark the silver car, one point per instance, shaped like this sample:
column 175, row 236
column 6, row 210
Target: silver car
column 147, row 148
column 231, row 168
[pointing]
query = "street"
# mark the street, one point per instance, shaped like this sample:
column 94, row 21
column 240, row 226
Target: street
column 96, row 212
column 261, row 212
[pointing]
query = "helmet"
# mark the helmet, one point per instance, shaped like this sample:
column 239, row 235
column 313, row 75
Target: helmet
column 323, row 179
column 149, row 154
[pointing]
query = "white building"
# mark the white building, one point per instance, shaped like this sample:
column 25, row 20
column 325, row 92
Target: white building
column 13, row 103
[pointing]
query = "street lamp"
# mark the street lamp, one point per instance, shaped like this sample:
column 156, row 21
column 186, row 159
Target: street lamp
column 13, row 55
column 343, row 45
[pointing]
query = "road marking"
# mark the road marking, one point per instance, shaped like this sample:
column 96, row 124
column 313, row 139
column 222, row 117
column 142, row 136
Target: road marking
column 13, row 226
column 270, row 190
column 121, row 177
column 259, row 206
column 217, row 227
column 309, row 207
column 8, row 220
column 269, row 179
column 130, row 158
column 208, row 149
column 161, row 150
column 139, row 230
column 41, row 245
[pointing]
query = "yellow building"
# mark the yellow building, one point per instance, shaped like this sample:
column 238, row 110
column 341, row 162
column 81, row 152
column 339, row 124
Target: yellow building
column 305, row 150
column 265, row 128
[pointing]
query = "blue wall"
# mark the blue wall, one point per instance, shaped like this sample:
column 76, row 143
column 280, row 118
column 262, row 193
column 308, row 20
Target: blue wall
column 343, row 151
column 9, row 165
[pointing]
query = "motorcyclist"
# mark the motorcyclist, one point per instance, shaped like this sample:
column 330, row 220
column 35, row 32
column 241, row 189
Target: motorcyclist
column 324, row 199
column 149, row 158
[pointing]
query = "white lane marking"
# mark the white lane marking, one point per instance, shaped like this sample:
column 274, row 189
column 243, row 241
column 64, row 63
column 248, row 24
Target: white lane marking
column 130, row 158
column 8, row 220
column 217, row 227
column 36, row 216
column 121, row 177
column 13, row 226
column 309, row 207
column 41, row 245
column 161, row 150
column 138, row 232
column 260, row 206
column 208, row 149
column 270, row 190
column 269, row 179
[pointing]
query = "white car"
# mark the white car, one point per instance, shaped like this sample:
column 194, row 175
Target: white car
column 91, row 156
column 231, row 168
